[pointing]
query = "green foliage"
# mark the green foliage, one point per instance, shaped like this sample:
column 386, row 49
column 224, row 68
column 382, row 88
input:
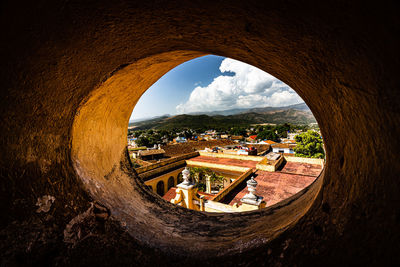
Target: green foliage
column 283, row 129
column 180, row 178
column 187, row 134
column 153, row 136
column 238, row 131
column 143, row 141
column 222, row 123
column 309, row 145
column 149, row 139
column 199, row 176
column 269, row 135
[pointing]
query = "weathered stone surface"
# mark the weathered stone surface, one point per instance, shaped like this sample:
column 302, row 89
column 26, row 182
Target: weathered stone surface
column 72, row 72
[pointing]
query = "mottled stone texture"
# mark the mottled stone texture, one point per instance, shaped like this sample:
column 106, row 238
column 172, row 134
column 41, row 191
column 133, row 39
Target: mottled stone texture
column 72, row 72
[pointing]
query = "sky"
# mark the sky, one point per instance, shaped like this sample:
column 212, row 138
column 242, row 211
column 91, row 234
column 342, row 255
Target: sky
column 212, row 83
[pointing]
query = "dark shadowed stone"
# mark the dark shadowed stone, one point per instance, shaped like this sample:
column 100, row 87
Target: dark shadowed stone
column 72, row 72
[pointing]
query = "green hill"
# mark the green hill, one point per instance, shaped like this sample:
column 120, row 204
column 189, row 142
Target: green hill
column 217, row 121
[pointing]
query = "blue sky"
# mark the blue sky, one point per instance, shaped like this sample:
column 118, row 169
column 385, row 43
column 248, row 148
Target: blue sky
column 212, row 83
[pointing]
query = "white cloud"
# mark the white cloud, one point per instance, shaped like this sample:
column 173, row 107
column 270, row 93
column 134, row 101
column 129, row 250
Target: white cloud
column 249, row 87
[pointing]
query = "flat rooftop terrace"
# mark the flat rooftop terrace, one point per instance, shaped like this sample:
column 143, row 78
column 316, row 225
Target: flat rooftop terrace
column 301, row 168
column 279, row 185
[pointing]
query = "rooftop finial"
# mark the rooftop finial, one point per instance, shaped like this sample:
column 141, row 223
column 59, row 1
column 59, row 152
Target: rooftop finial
column 251, row 197
column 251, row 187
column 186, row 174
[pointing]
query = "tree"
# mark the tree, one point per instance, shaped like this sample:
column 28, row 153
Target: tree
column 238, row 131
column 309, row 145
column 188, row 134
column 259, row 129
column 199, row 177
column 283, row 129
column 269, row 135
column 137, row 133
column 143, row 141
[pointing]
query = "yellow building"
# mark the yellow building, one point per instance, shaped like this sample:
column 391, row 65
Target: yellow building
column 167, row 179
column 186, row 196
column 161, row 184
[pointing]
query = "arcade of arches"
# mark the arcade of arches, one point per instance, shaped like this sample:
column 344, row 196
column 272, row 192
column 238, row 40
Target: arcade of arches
column 72, row 73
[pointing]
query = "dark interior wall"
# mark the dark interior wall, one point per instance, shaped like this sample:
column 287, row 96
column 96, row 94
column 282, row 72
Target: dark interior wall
column 58, row 59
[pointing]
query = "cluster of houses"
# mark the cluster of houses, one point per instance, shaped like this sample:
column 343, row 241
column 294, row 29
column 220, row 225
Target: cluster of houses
column 131, row 141
column 214, row 135
column 285, row 146
column 156, row 153
column 268, row 168
column 206, row 136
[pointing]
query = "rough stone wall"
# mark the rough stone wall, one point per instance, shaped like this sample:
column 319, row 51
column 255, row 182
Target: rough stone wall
column 64, row 59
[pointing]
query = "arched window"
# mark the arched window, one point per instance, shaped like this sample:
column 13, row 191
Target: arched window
column 160, row 188
column 171, row 182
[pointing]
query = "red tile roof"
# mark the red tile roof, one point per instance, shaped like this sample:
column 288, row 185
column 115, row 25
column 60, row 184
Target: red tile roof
column 277, row 186
column 170, row 194
column 301, row 168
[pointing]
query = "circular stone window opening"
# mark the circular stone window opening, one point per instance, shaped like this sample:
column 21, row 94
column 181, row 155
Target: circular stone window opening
column 256, row 142
column 100, row 159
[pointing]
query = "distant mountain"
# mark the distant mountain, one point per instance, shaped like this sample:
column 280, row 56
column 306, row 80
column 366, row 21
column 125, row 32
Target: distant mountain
column 267, row 110
column 295, row 114
column 221, row 112
column 301, row 106
column 147, row 124
column 149, row 118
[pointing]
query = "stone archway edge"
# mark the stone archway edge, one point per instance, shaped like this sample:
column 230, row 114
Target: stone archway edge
column 72, row 73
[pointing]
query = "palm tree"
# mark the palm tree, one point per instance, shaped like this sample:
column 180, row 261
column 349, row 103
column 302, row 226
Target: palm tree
column 199, row 175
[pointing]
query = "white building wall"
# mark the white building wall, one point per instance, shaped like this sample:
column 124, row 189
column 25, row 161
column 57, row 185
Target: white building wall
column 285, row 150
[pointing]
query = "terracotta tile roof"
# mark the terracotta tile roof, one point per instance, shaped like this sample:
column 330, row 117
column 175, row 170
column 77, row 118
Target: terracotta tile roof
column 183, row 148
column 170, row 194
column 301, row 168
column 277, row 186
column 270, row 142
